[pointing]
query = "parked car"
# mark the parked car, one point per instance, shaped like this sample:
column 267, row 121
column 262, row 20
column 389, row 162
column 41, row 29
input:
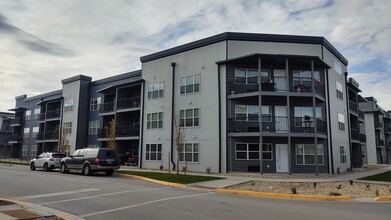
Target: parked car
column 48, row 161
column 90, row 160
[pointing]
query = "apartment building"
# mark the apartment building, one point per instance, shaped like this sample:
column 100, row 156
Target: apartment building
column 377, row 130
column 243, row 103
column 77, row 116
column 5, row 133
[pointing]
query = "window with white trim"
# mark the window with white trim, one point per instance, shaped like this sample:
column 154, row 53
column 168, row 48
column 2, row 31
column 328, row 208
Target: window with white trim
column 190, row 152
column 190, row 117
column 156, row 90
column 190, row 84
column 68, row 105
column 67, row 128
column 153, row 152
column 339, row 90
column 28, row 115
column 155, row 120
column 93, row 127
column 35, row 131
column 26, row 132
column 95, row 103
column 305, row 154
column 24, row 150
column 343, row 154
column 250, row 151
column 341, row 122
column 37, row 111
column 33, row 150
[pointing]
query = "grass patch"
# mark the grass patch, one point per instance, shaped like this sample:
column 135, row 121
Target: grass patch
column 173, row 178
column 384, row 177
column 14, row 163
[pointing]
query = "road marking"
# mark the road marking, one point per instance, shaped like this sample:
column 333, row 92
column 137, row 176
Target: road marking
column 55, row 194
column 101, row 195
column 144, row 203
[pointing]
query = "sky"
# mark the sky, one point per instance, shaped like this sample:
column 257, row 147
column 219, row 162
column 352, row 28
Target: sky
column 45, row 41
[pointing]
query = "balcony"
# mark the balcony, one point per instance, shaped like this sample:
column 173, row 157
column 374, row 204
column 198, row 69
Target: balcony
column 387, row 130
column 16, row 122
column 53, row 114
column 14, row 138
column 106, row 107
column 128, row 103
column 121, row 131
column 379, row 143
column 41, row 117
column 378, row 125
column 49, row 135
column 363, row 138
column 276, row 125
column 353, row 107
column 355, row 134
column 361, row 115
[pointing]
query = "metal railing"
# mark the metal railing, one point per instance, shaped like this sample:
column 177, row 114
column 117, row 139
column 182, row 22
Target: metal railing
column 353, row 106
column 16, row 121
column 127, row 103
column 53, row 114
column 360, row 115
column 379, row 142
column 121, row 131
column 51, row 135
column 106, row 107
column 41, row 117
column 14, row 137
column 355, row 134
column 363, row 137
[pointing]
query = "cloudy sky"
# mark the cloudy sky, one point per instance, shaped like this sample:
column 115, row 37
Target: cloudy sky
column 42, row 42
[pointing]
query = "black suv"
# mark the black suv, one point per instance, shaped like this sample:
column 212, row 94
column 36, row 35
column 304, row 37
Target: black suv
column 89, row 160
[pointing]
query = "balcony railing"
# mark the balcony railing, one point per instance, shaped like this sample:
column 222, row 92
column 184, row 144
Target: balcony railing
column 15, row 137
column 121, row 131
column 352, row 106
column 360, row 115
column 106, row 107
column 355, row 134
column 379, row 143
column 378, row 125
column 387, row 130
column 16, row 121
column 53, row 114
column 363, row 137
column 276, row 124
column 128, row 103
column 41, row 116
column 49, row 135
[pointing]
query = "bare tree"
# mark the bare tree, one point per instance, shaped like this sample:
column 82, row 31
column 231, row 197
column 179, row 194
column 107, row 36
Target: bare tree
column 179, row 138
column 64, row 142
column 110, row 134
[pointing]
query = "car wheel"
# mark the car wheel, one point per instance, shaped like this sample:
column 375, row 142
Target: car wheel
column 63, row 168
column 87, row 170
column 45, row 167
column 109, row 172
column 32, row 166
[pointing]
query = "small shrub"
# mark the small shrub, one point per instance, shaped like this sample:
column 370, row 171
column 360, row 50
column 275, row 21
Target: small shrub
column 161, row 167
column 314, row 184
column 339, row 186
column 338, row 170
column 293, row 190
column 253, row 183
column 377, row 192
column 335, row 194
column 184, row 169
column 208, row 169
column 351, row 182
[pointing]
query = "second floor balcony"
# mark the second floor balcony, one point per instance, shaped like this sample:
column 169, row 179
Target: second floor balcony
column 14, row 138
column 353, row 107
column 107, row 107
column 18, row 121
column 128, row 103
column 131, row 131
column 355, row 134
column 48, row 135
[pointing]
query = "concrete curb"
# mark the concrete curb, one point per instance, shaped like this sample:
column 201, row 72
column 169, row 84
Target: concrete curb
column 23, row 205
column 382, row 198
column 154, row 181
column 286, row 196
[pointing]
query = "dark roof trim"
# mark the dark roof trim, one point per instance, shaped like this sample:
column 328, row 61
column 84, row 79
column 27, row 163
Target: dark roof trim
column 76, row 78
column 246, row 37
column 17, row 109
column 45, row 95
column 278, row 55
column 49, row 99
column 136, row 74
column 104, row 89
column 20, row 97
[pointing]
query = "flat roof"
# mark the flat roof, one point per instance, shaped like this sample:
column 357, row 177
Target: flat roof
column 246, row 37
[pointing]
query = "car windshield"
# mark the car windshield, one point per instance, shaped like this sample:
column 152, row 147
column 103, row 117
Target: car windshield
column 58, row 155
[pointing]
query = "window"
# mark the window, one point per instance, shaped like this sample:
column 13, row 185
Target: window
column 35, row 131
column 302, row 80
column 24, row 150
column 341, row 122
column 342, row 154
column 190, row 117
column 305, row 154
column 250, row 151
column 153, row 152
column 266, row 113
column 93, row 127
column 251, row 113
column 94, row 103
column 33, row 151
column 304, row 116
column 156, row 90
column 339, row 90
column 67, row 128
column 155, row 120
column 26, row 132
column 190, row 152
column 28, row 115
column 246, row 76
column 190, row 84
column 68, row 105
column 37, row 111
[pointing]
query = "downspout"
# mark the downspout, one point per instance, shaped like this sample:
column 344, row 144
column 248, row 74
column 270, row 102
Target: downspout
column 172, row 114
column 329, row 120
column 140, row 160
column 219, row 100
column 348, row 121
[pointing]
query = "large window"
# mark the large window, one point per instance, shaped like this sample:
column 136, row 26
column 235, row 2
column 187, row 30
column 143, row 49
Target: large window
column 35, row 131
column 37, row 111
column 68, row 105
column 94, row 103
column 250, row 151
column 341, row 122
column 156, row 90
column 155, row 120
column 67, row 128
column 153, row 152
column 26, row 132
column 302, row 80
column 93, row 127
column 24, row 150
column 339, row 90
column 304, row 116
column 190, row 117
column 33, row 150
column 28, row 115
column 343, row 154
column 190, row 152
column 305, row 154
column 190, row 84
column 246, row 76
